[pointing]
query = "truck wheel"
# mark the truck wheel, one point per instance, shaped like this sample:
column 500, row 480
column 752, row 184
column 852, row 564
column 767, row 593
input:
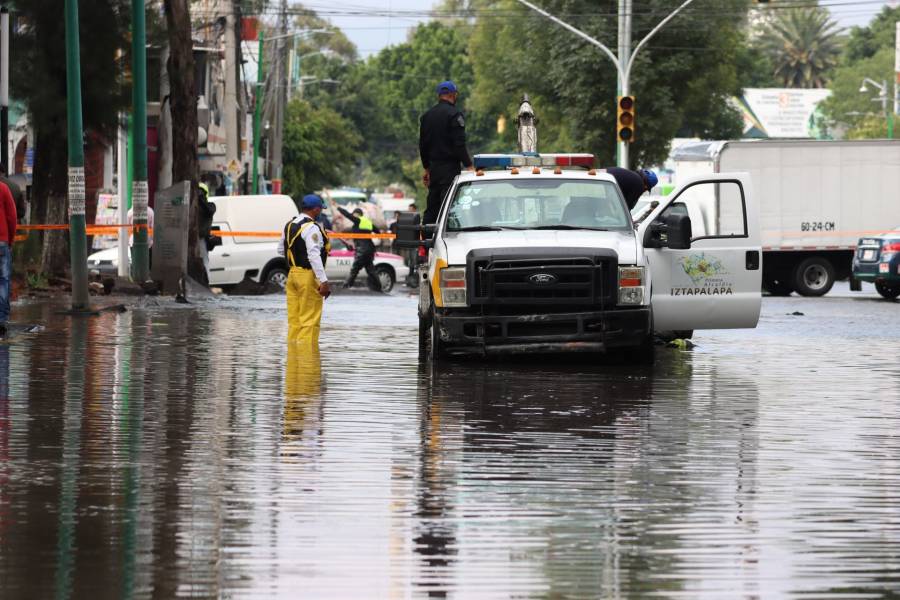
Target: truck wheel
column 644, row 354
column 814, row 276
column 436, row 347
column 887, row 291
column 776, row 287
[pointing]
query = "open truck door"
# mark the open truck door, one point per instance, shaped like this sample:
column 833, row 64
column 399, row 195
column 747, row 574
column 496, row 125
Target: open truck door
column 703, row 246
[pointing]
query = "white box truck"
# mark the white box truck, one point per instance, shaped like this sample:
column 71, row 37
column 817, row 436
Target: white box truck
column 816, row 199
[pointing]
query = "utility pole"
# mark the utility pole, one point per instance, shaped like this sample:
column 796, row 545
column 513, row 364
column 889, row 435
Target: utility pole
column 625, row 60
column 77, row 237
column 278, row 133
column 232, row 117
column 4, row 90
column 140, row 252
column 257, row 111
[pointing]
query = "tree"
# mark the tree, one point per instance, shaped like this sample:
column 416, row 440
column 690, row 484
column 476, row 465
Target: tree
column 386, row 95
column 319, row 148
column 183, row 98
column 803, row 45
column 864, row 42
column 681, row 79
column 38, row 77
column 860, row 113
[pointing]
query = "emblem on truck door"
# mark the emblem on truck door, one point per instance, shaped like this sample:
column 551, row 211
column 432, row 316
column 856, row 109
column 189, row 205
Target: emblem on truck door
column 542, row 279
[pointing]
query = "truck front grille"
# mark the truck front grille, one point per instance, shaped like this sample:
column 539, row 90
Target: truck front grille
column 557, row 277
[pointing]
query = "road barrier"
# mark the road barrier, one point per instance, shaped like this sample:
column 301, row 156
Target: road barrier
column 113, row 230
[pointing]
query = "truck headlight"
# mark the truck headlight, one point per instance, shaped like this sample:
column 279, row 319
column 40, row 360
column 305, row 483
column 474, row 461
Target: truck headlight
column 631, row 285
column 452, row 283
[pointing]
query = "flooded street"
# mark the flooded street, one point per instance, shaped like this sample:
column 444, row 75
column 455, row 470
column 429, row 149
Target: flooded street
column 184, row 451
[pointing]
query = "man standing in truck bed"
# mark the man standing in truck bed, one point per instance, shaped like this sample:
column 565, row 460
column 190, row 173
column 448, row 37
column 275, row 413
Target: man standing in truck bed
column 442, row 147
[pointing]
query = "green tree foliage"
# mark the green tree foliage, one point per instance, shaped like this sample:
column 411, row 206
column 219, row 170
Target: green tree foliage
column 865, row 42
column 869, row 52
column 857, row 112
column 681, row 79
column 386, row 95
column 320, row 146
column 803, row 45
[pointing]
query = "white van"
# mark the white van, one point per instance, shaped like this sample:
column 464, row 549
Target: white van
column 253, row 257
column 257, row 257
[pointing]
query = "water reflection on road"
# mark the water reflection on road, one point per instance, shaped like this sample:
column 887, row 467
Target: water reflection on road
column 185, row 451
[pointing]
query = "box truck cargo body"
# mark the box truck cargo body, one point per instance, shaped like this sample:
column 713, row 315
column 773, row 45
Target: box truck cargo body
column 816, row 198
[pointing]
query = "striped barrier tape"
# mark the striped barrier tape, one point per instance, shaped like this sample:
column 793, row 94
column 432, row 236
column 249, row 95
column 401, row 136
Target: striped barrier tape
column 113, row 230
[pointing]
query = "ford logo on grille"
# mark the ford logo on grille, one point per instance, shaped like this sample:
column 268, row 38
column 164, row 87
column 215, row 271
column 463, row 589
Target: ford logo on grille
column 542, row 279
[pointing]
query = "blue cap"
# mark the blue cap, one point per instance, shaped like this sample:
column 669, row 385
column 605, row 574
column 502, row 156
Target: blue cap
column 651, row 178
column 446, row 87
column 312, row 201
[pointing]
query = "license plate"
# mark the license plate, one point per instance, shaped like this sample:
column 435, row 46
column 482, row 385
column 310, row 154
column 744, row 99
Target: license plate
column 884, row 268
column 869, row 242
column 868, row 254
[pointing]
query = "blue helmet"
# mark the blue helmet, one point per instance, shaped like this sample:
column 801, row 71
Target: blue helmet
column 650, row 177
column 446, row 87
column 312, row 201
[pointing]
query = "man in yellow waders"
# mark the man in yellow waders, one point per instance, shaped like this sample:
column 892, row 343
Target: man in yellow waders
column 305, row 248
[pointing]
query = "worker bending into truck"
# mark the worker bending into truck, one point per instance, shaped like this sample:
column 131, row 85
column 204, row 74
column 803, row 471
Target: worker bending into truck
column 633, row 183
column 364, row 248
column 305, row 246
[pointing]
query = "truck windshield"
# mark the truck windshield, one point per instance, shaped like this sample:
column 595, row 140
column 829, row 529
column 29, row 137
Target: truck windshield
column 537, row 204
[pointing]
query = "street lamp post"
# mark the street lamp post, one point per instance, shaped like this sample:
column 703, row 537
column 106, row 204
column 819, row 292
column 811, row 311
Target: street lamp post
column 625, row 60
column 883, row 98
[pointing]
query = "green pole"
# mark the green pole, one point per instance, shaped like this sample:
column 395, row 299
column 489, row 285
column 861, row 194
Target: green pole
column 257, row 114
column 140, row 254
column 890, row 123
column 77, row 236
column 129, row 164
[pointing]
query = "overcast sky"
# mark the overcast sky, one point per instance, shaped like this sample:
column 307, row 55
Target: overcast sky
column 374, row 24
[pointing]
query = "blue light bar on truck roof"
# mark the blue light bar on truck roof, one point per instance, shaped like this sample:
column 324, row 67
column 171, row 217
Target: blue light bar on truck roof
column 503, row 161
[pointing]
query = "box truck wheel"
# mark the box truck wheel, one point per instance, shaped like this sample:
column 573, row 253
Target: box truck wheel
column 814, row 276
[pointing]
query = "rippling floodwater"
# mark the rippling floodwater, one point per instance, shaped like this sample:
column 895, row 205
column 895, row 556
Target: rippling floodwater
column 174, row 451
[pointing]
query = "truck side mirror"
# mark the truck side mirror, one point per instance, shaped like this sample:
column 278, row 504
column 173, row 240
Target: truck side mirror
column 410, row 232
column 678, row 232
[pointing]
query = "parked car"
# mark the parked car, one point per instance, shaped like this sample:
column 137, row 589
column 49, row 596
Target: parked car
column 877, row 260
column 257, row 258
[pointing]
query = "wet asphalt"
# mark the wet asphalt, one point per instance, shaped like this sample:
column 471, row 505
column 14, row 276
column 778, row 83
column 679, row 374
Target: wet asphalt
column 184, row 451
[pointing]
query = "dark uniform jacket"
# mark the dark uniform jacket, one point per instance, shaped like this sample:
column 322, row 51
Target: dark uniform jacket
column 442, row 142
column 630, row 182
column 363, row 246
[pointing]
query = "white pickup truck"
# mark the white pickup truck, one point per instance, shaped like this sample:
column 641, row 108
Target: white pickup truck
column 538, row 253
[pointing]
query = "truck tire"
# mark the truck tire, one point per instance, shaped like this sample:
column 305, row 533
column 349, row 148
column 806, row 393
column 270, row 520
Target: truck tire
column 814, row 276
column 886, row 291
column 436, row 347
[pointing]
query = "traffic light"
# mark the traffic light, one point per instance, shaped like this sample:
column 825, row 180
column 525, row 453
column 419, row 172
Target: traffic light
column 625, row 119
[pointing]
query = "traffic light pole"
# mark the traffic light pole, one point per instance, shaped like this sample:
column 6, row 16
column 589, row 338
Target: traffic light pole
column 77, row 236
column 625, row 60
